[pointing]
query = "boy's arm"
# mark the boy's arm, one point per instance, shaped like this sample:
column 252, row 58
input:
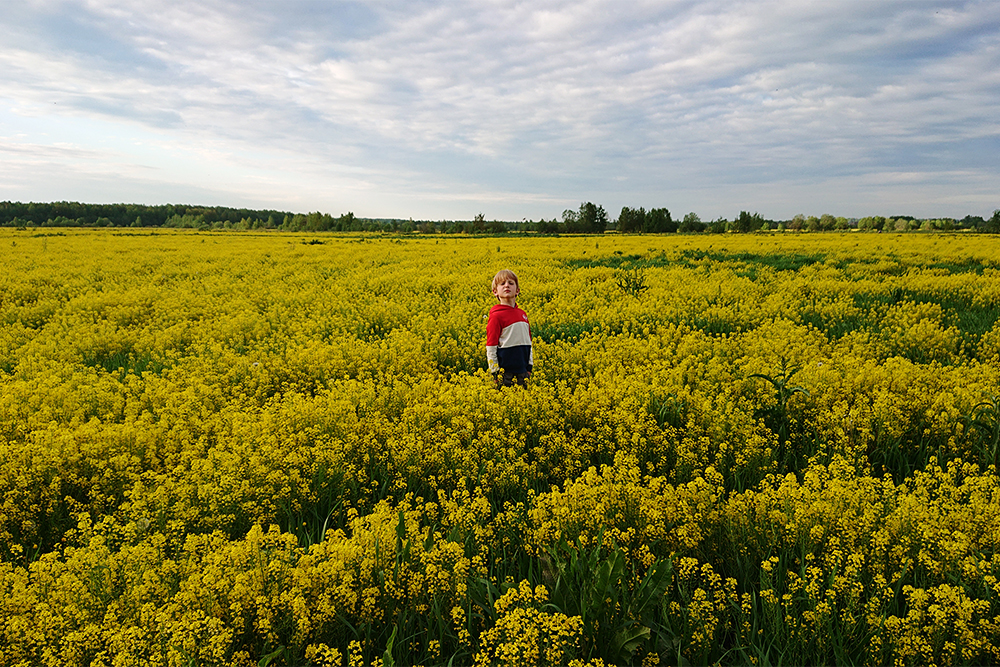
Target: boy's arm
column 491, row 359
column 531, row 353
column 493, row 330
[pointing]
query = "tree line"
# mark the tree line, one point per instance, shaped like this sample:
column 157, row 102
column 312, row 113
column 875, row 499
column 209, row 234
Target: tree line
column 660, row 221
column 589, row 218
column 75, row 214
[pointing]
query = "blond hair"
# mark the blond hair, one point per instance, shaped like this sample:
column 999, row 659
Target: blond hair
column 502, row 276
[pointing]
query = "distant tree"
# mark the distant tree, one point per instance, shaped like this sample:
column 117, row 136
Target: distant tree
column 546, row 227
column 691, row 223
column 993, row 224
column 971, row 222
column 317, row 222
column 592, row 219
column 570, row 221
column 717, row 226
column 658, row 221
column 747, row 222
column 631, row 220
column 873, row 223
column 346, row 222
column 902, row 223
column 797, row 223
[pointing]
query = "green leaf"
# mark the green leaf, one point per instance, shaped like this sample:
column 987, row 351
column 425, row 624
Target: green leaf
column 267, row 659
column 627, row 640
column 401, row 527
column 387, row 659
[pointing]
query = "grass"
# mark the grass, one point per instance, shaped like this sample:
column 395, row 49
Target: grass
column 126, row 360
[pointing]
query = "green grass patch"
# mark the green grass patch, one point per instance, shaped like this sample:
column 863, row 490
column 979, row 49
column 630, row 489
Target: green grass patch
column 126, row 360
column 969, row 265
column 695, row 258
column 563, row 331
column 618, row 261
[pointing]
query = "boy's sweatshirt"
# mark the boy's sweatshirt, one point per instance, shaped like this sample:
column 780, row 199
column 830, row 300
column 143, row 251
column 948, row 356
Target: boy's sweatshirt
column 508, row 340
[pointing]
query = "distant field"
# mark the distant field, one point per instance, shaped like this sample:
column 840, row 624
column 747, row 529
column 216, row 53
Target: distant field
column 239, row 448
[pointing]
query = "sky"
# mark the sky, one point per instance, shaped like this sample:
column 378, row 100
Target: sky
column 509, row 108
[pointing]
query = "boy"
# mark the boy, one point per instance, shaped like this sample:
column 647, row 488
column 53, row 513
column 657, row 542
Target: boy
column 508, row 336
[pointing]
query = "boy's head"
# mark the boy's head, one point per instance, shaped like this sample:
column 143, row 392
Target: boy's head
column 501, row 282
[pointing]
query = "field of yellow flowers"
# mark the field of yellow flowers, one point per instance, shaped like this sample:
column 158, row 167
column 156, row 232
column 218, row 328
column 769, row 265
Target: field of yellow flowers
column 276, row 449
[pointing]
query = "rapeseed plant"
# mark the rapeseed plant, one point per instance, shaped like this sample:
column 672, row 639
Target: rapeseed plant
column 243, row 449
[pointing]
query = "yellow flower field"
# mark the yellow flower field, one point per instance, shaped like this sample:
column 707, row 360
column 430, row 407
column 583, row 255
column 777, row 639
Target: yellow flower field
column 278, row 449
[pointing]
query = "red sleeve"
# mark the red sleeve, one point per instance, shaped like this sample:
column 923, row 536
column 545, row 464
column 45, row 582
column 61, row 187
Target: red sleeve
column 494, row 327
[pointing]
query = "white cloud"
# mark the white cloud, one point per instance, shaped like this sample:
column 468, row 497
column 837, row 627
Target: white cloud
column 527, row 105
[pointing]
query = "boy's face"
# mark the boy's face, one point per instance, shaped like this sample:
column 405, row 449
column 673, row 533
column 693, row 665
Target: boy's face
column 506, row 289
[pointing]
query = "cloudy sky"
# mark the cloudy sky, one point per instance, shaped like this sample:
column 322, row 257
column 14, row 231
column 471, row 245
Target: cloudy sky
column 516, row 109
